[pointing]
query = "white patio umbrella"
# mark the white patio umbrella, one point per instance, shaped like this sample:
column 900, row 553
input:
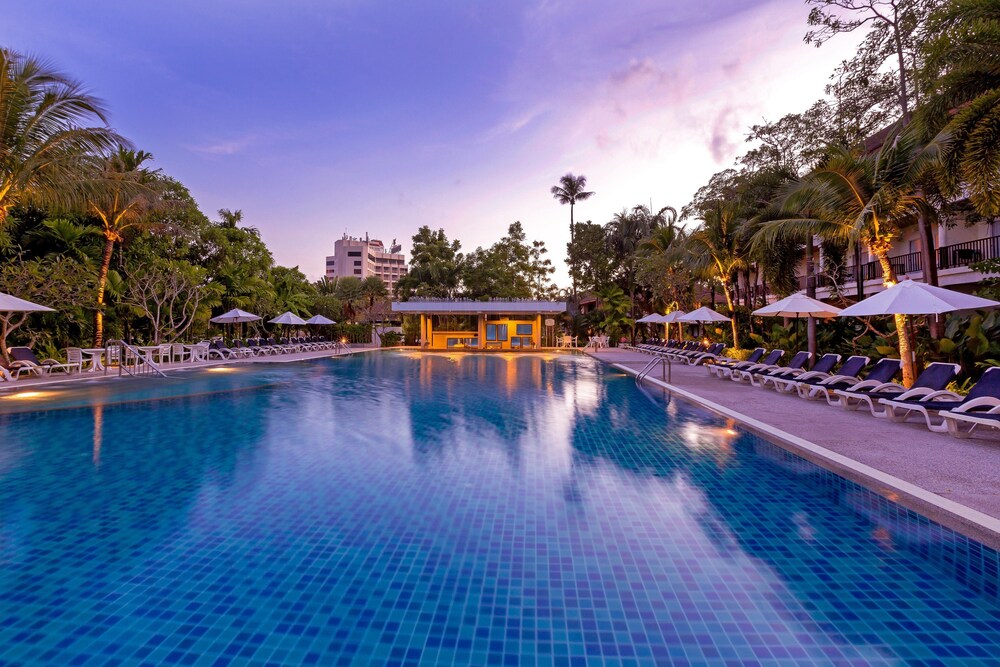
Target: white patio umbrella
column 671, row 318
column 319, row 320
column 235, row 316
column 798, row 306
column 649, row 319
column 703, row 314
column 912, row 298
column 288, row 318
column 10, row 306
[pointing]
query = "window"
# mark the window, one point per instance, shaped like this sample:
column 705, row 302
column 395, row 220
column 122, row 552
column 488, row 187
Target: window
column 495, row 332
column 354, row 253
column 357, row 272
column 357, row 262
column 523, row 329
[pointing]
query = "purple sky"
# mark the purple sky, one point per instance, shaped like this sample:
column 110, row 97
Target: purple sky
column 320, row 117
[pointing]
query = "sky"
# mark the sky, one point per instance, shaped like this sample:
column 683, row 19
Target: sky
column 318, row 118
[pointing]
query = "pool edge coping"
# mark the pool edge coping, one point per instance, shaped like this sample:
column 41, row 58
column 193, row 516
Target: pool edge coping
column 965, row 520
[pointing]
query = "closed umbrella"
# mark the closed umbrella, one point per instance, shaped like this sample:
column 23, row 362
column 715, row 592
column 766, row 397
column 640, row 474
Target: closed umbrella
column 798, row 306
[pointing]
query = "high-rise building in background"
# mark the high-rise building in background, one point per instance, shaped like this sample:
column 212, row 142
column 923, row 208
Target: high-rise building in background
column 360, row 258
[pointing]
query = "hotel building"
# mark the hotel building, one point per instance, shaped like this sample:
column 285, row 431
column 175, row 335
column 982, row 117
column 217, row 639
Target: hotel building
column 360, row 258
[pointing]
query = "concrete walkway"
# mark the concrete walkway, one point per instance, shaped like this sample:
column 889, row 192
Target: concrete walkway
column 964, row 471
column 30, row 382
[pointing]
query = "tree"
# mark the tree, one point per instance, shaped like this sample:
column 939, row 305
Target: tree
column 291, row 289
column 169, row 294
column 511, row 268
column 435, row 266
column 963, row 71
column 127, row 194
column 590, row 263
column 570, row 190
column 61, row 283
column 717, row 250
column 865, row 198
column 614, row 311
column 373, row 288
column 51, row 128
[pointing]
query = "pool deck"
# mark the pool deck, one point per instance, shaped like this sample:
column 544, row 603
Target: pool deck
column 26, row 382
column 953, row 481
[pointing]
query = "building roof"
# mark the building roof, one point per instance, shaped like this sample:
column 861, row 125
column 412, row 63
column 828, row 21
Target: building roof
column 446, row 306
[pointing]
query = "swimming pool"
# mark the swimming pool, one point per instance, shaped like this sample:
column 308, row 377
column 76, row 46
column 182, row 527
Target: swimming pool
column 403, row 508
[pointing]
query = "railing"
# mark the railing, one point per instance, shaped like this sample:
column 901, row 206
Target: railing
column 131, row 360
column 948, row 257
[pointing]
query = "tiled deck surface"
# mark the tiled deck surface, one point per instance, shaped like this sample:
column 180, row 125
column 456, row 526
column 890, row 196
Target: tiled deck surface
column 965, row 471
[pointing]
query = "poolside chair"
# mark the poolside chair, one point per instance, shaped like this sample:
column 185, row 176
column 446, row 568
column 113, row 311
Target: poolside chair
column 25, row 361
column 982, row 397
column 217, row 349
column 883, row 371
column 178, row 352
column 753, row 375
column 721, row 367
column 5, row 375
column 713, row 352
column 933, row 378
column 74, row 357
column 770, row 361
column 851, row 369
column 773, row 378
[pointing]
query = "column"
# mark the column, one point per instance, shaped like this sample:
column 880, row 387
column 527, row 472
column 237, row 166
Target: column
column 537, row 333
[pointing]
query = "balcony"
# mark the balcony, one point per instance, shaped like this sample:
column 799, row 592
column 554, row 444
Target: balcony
column 954, row 256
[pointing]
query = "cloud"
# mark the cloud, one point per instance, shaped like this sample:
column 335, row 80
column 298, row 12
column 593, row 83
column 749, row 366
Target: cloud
column 222, row 147
column 722, row 145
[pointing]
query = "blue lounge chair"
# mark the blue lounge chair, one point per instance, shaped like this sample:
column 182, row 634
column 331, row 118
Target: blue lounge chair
column 851, row 369
column 717, row 365
column 933, row 378
column 754, row 375
column 772, row 379
column 983, row 396
column 25, row 361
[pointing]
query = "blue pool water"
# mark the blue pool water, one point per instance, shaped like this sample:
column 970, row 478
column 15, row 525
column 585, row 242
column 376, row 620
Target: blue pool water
column 445, row 509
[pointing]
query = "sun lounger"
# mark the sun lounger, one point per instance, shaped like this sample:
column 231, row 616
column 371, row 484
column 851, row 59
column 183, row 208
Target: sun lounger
column 982, row 397
column 933, row 378
column 754, row 375
column 821, row 367
column 713, row 352
column 25, row 361
column 883, row 371
column 851, row 369
column 721, row 368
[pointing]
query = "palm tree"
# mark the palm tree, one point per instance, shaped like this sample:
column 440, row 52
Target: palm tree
column 50, row 127
column 963, row 65
column 125, row 196
column 865, row 198
column 570, row 190
column 373, row 288
column 718, row 250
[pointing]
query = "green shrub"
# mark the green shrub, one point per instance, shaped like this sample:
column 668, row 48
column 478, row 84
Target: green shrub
column 391, row 339
column 737, row 353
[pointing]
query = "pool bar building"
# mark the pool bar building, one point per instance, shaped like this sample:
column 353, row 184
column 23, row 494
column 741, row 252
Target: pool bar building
column 482, row 325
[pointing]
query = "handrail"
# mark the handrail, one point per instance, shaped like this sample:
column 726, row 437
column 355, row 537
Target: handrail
column 141, row 364
column 665, row 365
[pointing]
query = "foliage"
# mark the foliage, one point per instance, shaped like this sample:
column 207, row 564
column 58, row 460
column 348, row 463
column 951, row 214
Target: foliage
column 614, row 312
column 510, row 269
column 169, row 294
column 739, row 354
column 435, row 266
column 51, row 128
column 587, row 257
column 391, row 339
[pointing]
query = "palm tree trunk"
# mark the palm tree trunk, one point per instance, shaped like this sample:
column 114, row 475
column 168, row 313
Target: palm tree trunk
column 903, row 334
column 102, row 283
column 572, row 240
column 811, row 293
column 732, row 315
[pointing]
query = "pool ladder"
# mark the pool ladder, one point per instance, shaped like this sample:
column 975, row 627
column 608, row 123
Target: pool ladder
column 132, row 361
column 662, row 362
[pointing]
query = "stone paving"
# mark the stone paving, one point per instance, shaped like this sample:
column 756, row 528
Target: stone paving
column 966, row 471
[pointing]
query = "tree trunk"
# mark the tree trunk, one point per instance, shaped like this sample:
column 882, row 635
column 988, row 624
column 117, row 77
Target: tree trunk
column 102, row 283
column 732, row 316
column 572, row 239
column 810, row 292
column 906, row 348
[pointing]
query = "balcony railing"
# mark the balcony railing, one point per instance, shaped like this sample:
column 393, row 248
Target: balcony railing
column 948, row 257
